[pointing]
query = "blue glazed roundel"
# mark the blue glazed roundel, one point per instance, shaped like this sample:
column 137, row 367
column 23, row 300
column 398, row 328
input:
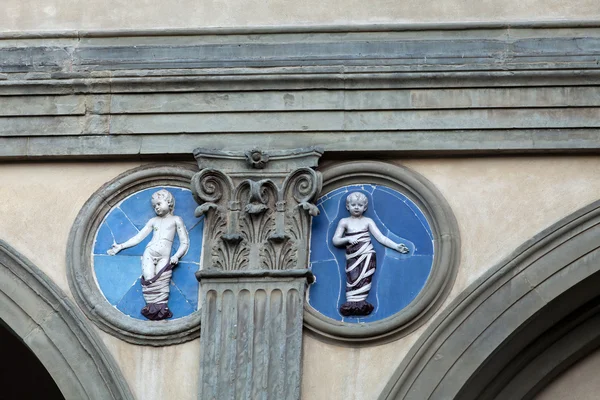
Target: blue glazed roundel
column 398, row 278
column 119, row 276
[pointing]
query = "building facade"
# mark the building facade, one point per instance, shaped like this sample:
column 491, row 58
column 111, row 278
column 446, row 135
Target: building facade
column 470, row 128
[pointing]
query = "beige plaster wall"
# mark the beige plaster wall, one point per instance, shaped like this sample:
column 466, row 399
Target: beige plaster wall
column 43, row 201
column 40, row 204
column 147, row 14
column 498, row 202
column 580, row 382
column 158, row 373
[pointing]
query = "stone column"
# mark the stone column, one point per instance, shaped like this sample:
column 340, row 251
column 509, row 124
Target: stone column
column 258, row 209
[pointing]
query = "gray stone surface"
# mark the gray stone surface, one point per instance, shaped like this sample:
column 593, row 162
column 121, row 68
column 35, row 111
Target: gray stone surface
column 487, row 47
column 382, row 143
column 42, row 105
column 479, row 88
column 258, row 209
column 79, row 269
column 342, row 121
column 41, row 126
column 57, row 332
column 491, row 324
column 393, row 99
column 251, row 338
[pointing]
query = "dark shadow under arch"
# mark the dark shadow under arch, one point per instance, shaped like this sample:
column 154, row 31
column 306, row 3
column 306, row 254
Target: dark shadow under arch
column 23, row 363
column 41, row 315
column 517, row 327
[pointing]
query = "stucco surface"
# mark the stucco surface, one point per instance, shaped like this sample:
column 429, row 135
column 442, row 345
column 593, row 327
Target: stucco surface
column 580, row 382
column 167, row 372
column 70, row 14
column 40, row 205
column 498, row 203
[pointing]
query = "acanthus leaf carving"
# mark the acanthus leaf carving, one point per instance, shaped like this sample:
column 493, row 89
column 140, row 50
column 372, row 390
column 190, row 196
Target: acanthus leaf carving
column 228, row 256
column 258, row 219
column 278, row 254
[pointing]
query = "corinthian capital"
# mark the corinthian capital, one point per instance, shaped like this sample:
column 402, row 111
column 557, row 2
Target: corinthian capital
column 258, row 207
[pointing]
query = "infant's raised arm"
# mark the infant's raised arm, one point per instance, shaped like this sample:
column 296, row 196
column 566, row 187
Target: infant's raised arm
column 141, row 235
column 387, row 242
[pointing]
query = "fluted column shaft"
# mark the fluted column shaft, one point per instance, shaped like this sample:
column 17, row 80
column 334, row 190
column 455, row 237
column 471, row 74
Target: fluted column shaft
column 251, row 337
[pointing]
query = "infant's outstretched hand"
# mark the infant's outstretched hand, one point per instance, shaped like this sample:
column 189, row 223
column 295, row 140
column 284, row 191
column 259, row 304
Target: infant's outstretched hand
column 401, row 247
column 174, row 260
column 114, row 249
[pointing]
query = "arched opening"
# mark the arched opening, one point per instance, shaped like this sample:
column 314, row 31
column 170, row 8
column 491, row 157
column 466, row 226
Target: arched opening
column 23, row 363
column 558, row 336
column 41, row 317
column 516, row 328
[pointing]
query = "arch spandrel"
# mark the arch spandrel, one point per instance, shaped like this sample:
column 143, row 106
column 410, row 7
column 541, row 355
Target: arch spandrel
column 488, row 328
column 56, row 331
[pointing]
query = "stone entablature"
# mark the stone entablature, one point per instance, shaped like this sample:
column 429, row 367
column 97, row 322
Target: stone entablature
column 427, row 89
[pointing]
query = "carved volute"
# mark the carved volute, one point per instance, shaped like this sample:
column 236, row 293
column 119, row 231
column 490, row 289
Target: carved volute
column 257, row 207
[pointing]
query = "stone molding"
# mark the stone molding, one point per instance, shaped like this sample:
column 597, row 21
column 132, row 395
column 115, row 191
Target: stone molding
column 483, row 88
column 438, row 48
column 79, row 270
column 57, row 332
column 446, row 240
column 283, row 29
column 555, row 351
column 491, row 323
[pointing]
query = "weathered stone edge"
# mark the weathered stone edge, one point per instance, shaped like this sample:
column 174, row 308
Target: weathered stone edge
column 105, row 378
column 300, row 29
column 379, row 144
column 424, row 351
column 446, row 238
column 79, row 269
column 241, row 274
column 486, row 48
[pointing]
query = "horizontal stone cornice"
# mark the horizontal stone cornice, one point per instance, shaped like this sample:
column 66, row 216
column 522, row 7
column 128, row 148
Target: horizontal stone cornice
column 283, row 29
column 359, row 50
column 384, row 89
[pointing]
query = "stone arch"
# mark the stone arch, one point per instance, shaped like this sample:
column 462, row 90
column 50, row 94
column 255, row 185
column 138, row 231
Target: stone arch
column 518, row 326
column 56, row 331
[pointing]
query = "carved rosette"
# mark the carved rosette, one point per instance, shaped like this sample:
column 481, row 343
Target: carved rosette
column 257, row 218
